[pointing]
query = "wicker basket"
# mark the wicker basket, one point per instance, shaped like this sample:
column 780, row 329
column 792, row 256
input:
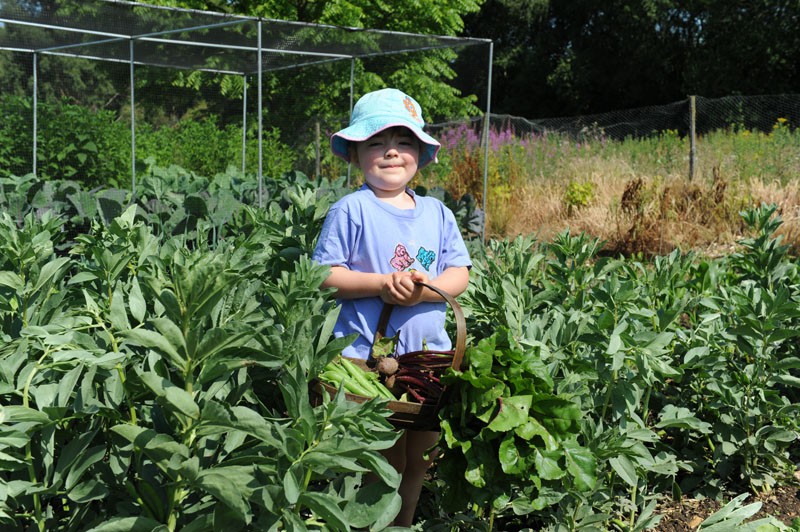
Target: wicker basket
column 405, row 414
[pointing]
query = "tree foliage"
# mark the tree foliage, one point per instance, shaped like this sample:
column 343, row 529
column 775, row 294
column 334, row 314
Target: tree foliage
column 551, row 58
column 428, row 76
column 558, row 58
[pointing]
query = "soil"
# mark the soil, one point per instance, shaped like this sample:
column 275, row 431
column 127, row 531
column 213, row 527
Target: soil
column 783, row 503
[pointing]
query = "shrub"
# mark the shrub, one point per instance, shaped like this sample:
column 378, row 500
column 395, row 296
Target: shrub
column 94, row 149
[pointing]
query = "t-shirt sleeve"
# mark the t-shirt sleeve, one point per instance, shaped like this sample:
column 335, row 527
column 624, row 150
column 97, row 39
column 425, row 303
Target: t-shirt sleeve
column 454, row 250
column 334, row 245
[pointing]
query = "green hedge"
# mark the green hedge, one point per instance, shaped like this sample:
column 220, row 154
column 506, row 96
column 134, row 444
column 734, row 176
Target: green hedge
column 94, row 147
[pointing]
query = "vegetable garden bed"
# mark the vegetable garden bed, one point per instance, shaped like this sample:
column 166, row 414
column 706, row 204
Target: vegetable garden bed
column 155, row 370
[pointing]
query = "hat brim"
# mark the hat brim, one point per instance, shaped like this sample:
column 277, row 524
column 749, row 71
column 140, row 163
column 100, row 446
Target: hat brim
column 364, row 129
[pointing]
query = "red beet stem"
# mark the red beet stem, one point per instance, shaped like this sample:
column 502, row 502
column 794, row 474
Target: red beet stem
column 428, row 354
column 421, row 383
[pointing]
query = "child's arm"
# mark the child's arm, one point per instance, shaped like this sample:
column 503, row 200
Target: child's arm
column 399, row 288
column 452, row 280
column 351, row 284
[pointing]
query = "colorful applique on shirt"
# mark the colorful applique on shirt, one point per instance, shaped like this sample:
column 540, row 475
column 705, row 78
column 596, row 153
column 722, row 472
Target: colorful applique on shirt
column 425, row 257
column 401, row 259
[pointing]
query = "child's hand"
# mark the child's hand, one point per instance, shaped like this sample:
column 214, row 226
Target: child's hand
column 401, row 288
column 419, row 277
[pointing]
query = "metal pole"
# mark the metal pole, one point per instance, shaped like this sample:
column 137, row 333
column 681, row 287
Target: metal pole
column 35, row 109
column 260, row 125
column 692, row 136
column 486, row 118
column 244, row 123
column 318, row 146
column 133, row 125
column 352, row 83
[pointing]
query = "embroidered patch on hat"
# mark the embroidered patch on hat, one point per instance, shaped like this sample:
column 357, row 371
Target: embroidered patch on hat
column 409, row 103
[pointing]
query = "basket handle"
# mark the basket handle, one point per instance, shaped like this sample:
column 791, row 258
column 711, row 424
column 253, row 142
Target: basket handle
column 458, row 314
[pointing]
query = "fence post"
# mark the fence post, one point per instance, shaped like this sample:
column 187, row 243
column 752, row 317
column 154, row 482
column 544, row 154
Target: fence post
column 244, row 124
column 486, row 118
column 692, row 136
column 132, row 81
column 35, row 101
column 318, row 149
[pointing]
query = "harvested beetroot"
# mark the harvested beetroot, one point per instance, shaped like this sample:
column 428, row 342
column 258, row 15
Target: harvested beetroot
column 387, row 365
column 417, row 375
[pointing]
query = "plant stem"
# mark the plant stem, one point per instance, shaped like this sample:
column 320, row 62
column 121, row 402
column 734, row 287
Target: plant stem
column 609, row 391
column 131, row 408
column 646, row 404
column 634, row 491
column 175, row 500
column 37, row 501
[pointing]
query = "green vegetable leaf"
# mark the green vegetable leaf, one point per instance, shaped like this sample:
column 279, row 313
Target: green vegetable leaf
column 624, row 468
column 90, row 490
column 385, row 346
column 230, row 486
column 548, row 464
column 325, row 506
column 136, row 302
column 293, row 483
column 375, row 504
column 154, row 340
column 513, row 413
column 582, row 465
column 130, row 524
column 118, row 313
column 11, row 280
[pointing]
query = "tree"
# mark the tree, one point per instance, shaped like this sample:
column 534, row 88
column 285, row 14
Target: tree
column 60, row 78
column 428, row 76
column 561, row 58
column 744, row 47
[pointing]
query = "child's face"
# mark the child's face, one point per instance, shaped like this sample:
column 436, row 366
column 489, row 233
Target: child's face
column 388, row 159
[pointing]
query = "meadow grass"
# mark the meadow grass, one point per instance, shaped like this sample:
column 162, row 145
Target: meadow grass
column 635, row 194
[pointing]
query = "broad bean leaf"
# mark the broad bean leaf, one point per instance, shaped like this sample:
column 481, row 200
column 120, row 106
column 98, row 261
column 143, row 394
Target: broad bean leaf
column 160, row 448
column 375, row 505
column 136, row 301
column 326, row 507
column 624, row 468
column 74, row 451
column 293, row 482
column 118, row 313
column 581, row 464
column 130, row 524
column 218, row 418
column 230, row 485
column 22, row 414
column 89, row 490
column 672, row 416
column 155, row 340
column 179, row 399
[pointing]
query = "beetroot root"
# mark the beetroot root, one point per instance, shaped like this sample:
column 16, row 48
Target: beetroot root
column 387, row 365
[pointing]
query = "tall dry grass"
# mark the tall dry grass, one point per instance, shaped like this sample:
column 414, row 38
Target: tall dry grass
column 635, row 194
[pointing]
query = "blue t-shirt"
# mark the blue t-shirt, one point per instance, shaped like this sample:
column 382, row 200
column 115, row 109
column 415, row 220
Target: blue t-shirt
column 364, row 234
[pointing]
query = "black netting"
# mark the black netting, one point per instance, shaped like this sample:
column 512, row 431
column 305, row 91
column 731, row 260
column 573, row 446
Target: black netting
column 105, row 65
column 102, row 29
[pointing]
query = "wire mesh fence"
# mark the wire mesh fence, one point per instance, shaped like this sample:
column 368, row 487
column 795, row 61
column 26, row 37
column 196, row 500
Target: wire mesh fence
column 693, row 138
column 150, row 71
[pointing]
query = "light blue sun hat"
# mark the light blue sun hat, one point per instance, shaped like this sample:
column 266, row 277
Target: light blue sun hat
column 382, row 109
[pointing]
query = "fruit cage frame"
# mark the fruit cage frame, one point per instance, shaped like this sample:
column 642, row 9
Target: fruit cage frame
column 142, row 34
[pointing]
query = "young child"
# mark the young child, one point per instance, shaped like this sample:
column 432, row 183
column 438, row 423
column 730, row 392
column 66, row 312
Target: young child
column 380, row 241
